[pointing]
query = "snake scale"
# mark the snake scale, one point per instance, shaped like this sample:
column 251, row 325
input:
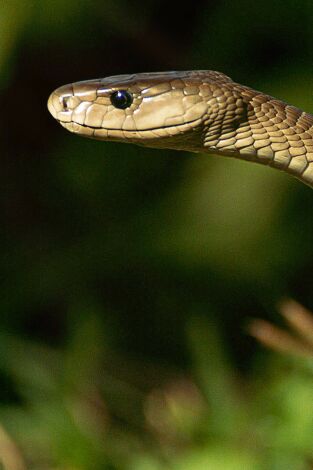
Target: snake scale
column 198, row 111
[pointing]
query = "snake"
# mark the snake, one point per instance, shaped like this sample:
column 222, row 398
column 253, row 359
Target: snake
column 198, row 111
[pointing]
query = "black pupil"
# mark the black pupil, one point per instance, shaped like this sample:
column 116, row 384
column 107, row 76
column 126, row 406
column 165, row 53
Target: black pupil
column 121, row 99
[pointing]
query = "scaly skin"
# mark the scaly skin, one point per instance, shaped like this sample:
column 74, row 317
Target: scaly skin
column 199, row 111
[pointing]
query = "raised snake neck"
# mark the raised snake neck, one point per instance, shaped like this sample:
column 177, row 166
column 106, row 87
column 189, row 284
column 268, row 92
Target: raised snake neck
column 199, row 111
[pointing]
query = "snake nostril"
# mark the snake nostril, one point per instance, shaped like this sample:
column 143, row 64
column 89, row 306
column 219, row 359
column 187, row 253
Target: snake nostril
column 65, row 102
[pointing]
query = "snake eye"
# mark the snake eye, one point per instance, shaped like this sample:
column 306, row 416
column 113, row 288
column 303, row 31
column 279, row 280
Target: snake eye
column 121, row 99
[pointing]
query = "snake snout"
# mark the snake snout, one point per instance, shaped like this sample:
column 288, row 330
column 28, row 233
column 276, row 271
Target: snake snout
column 60, row 103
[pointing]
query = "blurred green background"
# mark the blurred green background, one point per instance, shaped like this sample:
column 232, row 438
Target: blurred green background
column 129, row 275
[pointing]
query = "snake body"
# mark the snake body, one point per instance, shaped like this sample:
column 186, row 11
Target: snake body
column 198, row 111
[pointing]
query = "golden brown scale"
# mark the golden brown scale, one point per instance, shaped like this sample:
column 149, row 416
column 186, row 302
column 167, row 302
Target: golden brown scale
column 199, row 111
column 262, row 129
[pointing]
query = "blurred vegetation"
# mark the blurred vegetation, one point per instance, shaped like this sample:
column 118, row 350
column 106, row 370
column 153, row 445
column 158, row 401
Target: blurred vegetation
column 129, row 275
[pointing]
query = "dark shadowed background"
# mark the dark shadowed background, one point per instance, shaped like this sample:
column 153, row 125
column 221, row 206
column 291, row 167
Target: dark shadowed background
column 129, row 275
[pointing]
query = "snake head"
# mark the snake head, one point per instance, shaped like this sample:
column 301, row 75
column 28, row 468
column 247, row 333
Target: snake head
column 163, row 109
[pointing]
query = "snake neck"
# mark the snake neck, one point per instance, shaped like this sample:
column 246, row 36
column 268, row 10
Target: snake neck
column 262, row 129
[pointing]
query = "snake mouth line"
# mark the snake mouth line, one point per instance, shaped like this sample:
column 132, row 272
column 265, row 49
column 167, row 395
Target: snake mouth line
column 134, row 130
